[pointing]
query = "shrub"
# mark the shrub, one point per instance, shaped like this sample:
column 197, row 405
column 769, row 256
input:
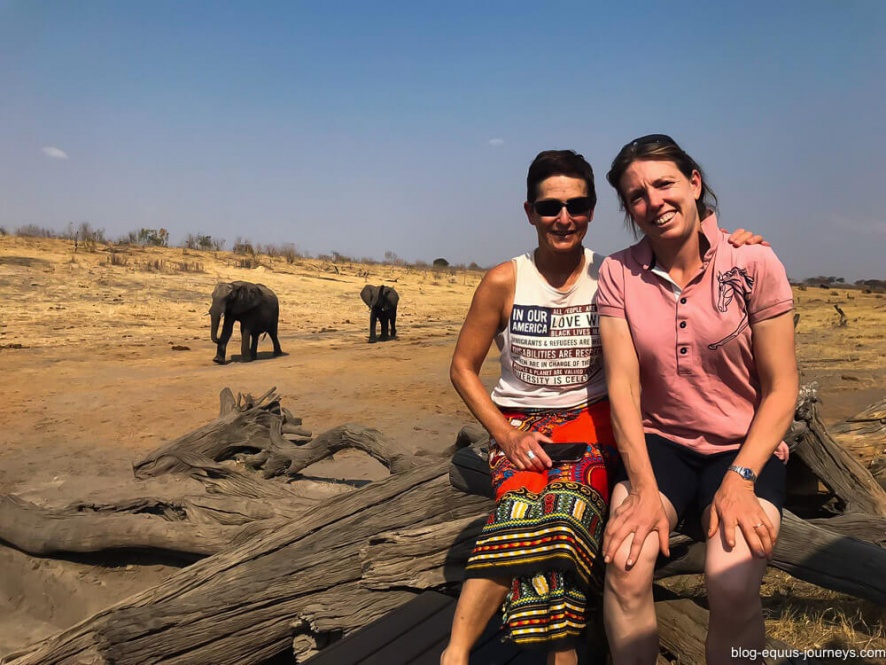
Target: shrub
column 155, row 265
column 290, row 253
column 117, row 259
column 242, row 246
column 248, row 262
column 34, row 231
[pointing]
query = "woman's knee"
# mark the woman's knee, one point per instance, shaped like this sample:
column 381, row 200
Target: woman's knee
column 636, row 580
column 736, row 588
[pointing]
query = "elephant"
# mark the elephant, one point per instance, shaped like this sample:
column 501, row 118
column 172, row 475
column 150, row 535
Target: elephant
column 256, row 308
column 382, row 303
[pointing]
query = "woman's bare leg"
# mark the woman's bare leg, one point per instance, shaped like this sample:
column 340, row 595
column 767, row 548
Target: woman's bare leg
column 628, row 606
column 566, row 657
column 478, row 602
column 733, row 577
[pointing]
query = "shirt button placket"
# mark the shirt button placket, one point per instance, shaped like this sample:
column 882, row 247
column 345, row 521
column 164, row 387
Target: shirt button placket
column 683, row 355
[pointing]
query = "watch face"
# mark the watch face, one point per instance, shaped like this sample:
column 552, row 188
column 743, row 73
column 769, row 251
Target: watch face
column 744, row 472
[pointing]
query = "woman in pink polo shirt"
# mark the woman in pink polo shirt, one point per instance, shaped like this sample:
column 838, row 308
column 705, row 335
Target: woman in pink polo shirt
column 702, row 381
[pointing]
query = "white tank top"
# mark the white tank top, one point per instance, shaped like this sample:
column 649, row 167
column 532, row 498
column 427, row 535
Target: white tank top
column 550, row 350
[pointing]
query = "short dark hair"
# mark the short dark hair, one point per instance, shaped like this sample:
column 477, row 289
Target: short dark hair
column 660, row 148
column 550, row 163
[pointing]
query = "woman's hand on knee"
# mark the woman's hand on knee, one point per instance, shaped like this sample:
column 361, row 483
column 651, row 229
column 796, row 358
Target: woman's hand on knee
column 736, row 505
column 637, row 516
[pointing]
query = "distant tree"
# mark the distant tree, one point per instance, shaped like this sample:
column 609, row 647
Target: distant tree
column 441, row 263
column 154, row 237
column 392, row 258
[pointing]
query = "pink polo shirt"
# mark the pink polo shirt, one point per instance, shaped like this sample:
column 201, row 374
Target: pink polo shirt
column 698, row 376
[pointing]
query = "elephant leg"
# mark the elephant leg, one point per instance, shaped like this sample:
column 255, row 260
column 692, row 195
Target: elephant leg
column 384, row 326
column 393, row 324
column 272, row 333
column 373, row 317
column 245, row 341
column 253, row 347
column 277, row 350
column 221, row 349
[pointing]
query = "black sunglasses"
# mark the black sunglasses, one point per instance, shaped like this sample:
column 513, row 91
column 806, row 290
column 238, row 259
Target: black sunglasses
column 552, row 207
column 653, row 139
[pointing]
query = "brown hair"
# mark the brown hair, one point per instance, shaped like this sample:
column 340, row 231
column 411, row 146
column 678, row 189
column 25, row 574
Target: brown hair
column 550, row 163
column 661, row 148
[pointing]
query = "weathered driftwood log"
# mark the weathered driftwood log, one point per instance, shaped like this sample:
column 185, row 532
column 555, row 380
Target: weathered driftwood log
column 242, row 427
column 837, row 469
column 252, row 431
column 869, row 528
column 239, row 606
column 39, row 531
column 240, row 505
column 864, row 435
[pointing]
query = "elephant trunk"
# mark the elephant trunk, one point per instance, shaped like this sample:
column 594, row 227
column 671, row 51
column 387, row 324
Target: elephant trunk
column 215, row 317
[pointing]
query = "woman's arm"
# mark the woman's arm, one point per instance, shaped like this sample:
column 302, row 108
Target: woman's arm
column 642, row 512
column 488, row 314
column 735, row 502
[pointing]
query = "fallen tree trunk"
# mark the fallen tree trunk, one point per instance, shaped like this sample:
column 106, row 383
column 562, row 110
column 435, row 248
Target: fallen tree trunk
column 837, row 469
column 39, row 531
column 239, row 606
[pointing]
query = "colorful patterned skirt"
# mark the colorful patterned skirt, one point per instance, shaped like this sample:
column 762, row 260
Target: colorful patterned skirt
column 547, row 527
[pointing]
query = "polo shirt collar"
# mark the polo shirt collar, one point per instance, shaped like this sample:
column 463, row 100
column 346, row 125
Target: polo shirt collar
column 642, row 251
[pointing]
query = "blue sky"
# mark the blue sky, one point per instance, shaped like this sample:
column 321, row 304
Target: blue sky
column 366, row 127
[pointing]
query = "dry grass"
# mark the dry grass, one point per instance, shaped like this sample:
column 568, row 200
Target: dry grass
column 807, row 617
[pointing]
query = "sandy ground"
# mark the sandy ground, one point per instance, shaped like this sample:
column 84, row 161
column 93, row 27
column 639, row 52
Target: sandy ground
column 90, row 382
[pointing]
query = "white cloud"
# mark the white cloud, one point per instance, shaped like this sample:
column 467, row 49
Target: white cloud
column 55, row 153
column 495, row 143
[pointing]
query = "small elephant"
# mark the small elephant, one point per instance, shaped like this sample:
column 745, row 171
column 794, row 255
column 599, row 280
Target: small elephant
column 382, row 303
column 256, row 308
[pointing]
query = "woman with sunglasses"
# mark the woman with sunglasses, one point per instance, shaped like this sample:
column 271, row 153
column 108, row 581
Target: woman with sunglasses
column 539, row 551
column 702, row 380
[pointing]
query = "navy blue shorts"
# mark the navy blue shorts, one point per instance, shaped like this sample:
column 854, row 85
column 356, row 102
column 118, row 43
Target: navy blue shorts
column 690, row 479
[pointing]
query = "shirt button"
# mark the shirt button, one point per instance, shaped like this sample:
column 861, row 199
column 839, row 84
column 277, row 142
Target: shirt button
column 682, row 324
column 682, row 301
column 684, row 351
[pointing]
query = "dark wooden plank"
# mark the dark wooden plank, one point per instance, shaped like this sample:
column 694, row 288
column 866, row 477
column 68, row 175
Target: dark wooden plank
column 358, row 646
column 426, row 639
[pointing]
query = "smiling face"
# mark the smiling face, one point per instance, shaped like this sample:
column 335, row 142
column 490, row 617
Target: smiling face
column 562, row 233
column 660, row 199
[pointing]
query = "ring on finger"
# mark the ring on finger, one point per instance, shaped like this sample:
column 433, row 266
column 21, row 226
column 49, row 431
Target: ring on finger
column 530, row 455
column 757, row 526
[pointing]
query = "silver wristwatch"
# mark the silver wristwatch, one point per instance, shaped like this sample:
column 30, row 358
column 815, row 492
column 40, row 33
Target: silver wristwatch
column 744, row 472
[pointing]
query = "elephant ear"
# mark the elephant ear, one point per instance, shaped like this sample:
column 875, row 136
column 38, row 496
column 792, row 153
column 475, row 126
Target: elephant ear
column 369, row 295
column 222, row 291
column 392, row 298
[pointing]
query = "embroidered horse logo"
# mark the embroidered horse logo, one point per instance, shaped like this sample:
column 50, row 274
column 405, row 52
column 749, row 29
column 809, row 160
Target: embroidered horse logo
column 732, row 282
